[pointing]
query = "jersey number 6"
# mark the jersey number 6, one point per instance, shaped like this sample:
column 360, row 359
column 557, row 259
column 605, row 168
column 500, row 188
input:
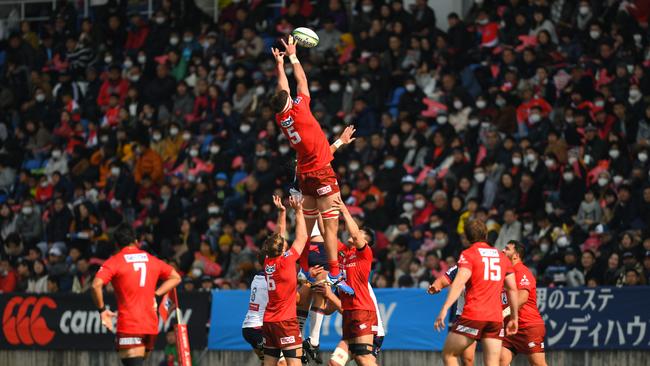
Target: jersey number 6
column 142, row 267
column 271, row 283
column 491, row 269
column 294, row 137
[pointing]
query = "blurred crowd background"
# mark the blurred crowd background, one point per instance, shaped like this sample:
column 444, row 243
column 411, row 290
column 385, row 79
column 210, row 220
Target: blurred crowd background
column 531, row 115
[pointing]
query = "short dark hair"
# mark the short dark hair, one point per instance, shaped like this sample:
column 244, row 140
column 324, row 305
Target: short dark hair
column 519, row 247
column 476, row 231
column 371, row 236
column 278, row 101
column 124, row 235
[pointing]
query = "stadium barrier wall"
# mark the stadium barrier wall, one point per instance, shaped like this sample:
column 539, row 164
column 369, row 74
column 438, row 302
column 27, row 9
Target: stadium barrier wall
column 604, row 318
column 247, row 358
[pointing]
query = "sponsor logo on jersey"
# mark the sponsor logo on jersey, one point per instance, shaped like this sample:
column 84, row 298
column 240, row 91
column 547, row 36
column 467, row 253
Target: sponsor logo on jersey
column 531, row 344
column 286, row 123
column 468, row 330
column 324, row 190
column 288, row 340
column 363, row 326
column 297, row 100
column 488, row 252
column 501, row 333
column 130, row 341
column 269, row 269
column 137, row 257
column 462, row 259
column 253, row 307
column 524, row 281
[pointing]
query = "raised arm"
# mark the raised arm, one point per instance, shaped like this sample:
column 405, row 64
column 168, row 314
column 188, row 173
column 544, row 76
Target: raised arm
column 455, row 290
column 301, row 227
column 283, row 82
column 357, row 236
column 281, row 224
column 298, row 72
column 346, row 138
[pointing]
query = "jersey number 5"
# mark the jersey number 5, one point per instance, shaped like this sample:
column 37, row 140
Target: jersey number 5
column 491, row 269
column 294, row 137
column 271, row 283
column 142, row 267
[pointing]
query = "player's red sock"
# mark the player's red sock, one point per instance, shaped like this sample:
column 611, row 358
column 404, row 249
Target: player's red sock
column 334, row 267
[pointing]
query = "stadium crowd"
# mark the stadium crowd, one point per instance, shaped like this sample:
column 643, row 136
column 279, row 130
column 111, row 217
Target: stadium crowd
column 531, row 115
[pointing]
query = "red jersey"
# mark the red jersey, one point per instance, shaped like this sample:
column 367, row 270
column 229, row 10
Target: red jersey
column 281, row 278
column 528, row 312
column 135, row 274
column 305, row 135
column 483, row 290
column 357, row 264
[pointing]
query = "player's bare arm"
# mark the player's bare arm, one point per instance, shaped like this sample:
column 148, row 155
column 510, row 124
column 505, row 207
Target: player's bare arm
column 332, row 299
column 455, row 290
column 513, row 300
column 301, row 227
column 283, row 82
column 437, row 285
column 281, row 224
column 98, row 298
column 344, row 139
column 298, row 72
column 356, row 234
column 171, row 282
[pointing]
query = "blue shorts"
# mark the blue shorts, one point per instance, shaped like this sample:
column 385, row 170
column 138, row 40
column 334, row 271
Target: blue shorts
column 318, row 258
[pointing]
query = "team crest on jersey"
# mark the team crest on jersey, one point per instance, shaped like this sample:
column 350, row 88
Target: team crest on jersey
column 524, row 281
column 462, row 259
column 297, row 100
column 269, row 269
column 286, row 254
column 286, row 123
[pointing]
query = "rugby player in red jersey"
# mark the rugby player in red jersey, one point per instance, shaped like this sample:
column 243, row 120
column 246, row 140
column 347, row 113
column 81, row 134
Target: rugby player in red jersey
column 529, row 339
column 482, row 271
column 359, row 311
column 134, row 274
column 280, row 328
column 316, row 178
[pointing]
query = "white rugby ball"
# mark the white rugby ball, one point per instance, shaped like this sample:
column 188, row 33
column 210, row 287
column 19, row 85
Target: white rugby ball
column 305, row 37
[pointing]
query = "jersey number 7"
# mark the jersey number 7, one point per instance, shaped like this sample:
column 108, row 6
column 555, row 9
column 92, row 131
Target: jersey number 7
column 294, row 137
column 142, row 267
column 491, row 269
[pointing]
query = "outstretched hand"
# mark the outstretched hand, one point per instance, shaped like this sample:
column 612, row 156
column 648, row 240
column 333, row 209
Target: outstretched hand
column 295, row 203
column 277, row 201
column 289, row 46
column 337, row 203
column 346, row 136
column 278, row 55
column 107, row 319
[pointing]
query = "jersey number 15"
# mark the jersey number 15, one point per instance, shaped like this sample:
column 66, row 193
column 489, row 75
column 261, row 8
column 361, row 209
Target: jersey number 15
column 491, row 269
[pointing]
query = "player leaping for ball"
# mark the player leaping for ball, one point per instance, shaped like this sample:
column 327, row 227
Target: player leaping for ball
column 316, row 178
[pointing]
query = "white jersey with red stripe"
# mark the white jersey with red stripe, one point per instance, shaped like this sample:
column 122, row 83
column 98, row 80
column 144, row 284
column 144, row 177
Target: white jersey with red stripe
column 257, row 305
column 381, row 332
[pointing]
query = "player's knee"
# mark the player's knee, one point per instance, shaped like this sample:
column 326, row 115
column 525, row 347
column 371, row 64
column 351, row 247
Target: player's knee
column 361, row 349
column 133, row 361
column 468, row 360
column 272, row 352
column 365, row 360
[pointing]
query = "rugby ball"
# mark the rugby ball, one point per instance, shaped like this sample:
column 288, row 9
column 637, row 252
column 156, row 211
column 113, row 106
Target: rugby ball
column 305, row 37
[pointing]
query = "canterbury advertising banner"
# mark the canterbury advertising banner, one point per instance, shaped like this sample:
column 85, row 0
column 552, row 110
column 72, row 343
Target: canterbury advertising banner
column 70, row 321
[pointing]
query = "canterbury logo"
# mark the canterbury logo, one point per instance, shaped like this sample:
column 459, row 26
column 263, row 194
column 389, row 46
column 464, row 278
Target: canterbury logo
column 22, row 322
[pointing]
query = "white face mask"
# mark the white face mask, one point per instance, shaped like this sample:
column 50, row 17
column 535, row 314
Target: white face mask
column 599, row 103
column 259, row 90
column 407, row 206
column 528, row 226
column 365, row 86
column 516, row 161
column 284, row 149
column 480, row 104
column 530, row 158
column 562, row 241
column 160, row 20
column 588, row 159
column 366, row 8
column 108, row 59
column 500, row 102
column 419, row 204
column 157, row 137
column 173, row 131
column 56, row 154
column 194, row 153
column 142, row 59
column 335, row 87
column 245, row 128
column 458, row 104
column 584, row 10
column 128, row 64
column 568, row 176
column 473, row 122
column 572, row 160
column 643, row 157
column 349, row 88
column 614, row 154
column 569, row 119
column 534, row 118
column 214, row 149
column 410, row 88
column 187, row 136
column 40, row 97
column 594, row 34
column 550, row 163
column 635, row 94
column 354, row 166
column 134, row 78
column 389, row 164
column 173, row 41
column 603, row 181
column 483, row 21
column 213, row 209
column 618, row 179
column 441, row 120
column 187, row 39
column 314, row 88
column 27, row 210
column 479, row 177
column 544, row 247
column 115, row 171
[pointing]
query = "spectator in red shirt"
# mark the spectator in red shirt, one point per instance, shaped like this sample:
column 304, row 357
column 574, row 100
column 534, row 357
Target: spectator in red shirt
column 114, row 84
column 8, row 277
